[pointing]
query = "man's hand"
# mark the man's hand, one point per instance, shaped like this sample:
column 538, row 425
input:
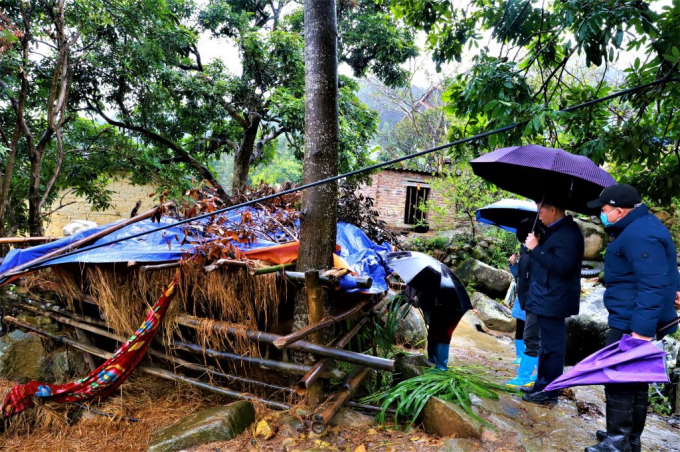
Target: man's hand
column 513, row 259
column 639, row 336
column 532, row 241
column 677, row 300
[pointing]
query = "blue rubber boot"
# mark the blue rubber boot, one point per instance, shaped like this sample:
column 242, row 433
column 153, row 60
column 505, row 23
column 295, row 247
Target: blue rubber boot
column 534, row 375
column 519, row 350
column 441, row 356
column 526, row 368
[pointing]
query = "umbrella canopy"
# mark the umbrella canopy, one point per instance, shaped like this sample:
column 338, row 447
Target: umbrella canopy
column 507, row 214
column 627, row 361
column 534, row 171
column 429, row 276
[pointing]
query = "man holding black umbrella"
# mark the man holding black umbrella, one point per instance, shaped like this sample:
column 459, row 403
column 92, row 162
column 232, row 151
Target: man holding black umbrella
column 554, row 292
column 643, row 284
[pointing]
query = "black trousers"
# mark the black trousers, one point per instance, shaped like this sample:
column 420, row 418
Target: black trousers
column 553, row 333
column 532, row 335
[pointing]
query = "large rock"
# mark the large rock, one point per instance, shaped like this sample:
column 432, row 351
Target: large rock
column 66, row 364
column 409, row 366
column 220, row 423
column 23, row 358
column 352, row 419
column 494, row 315
column 412, row 331
column 485, row 278
column 587, row 332
column 448, row 419
column 594, row 237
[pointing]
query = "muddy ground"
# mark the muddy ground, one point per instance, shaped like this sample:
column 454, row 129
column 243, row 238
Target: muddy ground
column 517, row 426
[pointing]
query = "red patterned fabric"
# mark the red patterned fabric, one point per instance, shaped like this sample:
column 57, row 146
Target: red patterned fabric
column 103, row 380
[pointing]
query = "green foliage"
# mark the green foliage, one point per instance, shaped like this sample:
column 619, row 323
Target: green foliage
column 536, row 72
column 462, row 193
column 454, row 385
column 281, row 168
column 386, row 329
column 428, row 244
column 503, row 244
column 658, row 401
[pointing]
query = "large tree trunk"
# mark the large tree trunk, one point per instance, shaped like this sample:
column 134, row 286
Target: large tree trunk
column 242, row 158
column 318, row 222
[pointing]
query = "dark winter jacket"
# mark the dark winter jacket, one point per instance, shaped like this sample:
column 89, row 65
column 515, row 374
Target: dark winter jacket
column 555, row 285
column 641, row 274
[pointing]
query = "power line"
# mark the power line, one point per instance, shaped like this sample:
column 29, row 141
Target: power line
column 341, row 176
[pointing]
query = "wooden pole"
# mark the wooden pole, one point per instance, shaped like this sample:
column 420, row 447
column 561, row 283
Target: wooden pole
column 315, row 311
column 19, row 269
column 324, row 415
column 322, row 365
column 373, row 362
column 324, row 323
column 11, row 240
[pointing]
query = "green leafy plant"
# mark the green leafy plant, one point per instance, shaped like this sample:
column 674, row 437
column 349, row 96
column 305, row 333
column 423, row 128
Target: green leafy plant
column 395, row 311
column 659, row 402
column 454, row 385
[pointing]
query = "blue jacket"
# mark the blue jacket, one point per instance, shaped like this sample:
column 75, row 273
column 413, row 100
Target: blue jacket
column 641, row 274
column 555, row 283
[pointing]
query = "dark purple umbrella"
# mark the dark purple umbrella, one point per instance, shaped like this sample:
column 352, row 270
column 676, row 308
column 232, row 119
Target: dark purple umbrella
column 426, row 274
column 627, row 361
column 534, row 171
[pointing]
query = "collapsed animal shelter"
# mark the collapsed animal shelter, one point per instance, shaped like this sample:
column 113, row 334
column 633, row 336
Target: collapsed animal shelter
column 214, row 298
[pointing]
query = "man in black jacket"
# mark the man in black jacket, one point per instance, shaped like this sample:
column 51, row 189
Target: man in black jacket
column 554, row 293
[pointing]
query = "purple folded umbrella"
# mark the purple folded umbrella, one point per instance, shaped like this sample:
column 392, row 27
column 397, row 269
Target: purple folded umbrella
column 627, row 361
column 534, row 171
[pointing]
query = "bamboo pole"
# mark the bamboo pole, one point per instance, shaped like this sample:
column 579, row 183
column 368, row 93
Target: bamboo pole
column 266, row 363
column 174, row 360
column 324, row 415
column 274, row 269
column 147, row 369
column 216, row 389
column 48, row 307
column 324, row 323
column 150, row 268
column 224, row 263
column 302, row 346
column 321, row 365
column 11, row 240
column 361, row 281
column 209, row 370
column 71, row 246
column 58, row 337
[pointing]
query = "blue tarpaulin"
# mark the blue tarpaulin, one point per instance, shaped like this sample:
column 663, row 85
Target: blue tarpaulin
column 362, row 254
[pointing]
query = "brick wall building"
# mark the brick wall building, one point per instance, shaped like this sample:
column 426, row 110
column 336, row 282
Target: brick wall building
column 398, row 191
column 123, row 200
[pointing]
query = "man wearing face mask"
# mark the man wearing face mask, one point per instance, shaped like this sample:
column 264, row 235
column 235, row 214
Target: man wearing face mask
column 554, row 292
column 643, row 283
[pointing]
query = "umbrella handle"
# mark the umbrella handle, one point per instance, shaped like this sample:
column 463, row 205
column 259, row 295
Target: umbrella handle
column 669, row 325
column 538, row 212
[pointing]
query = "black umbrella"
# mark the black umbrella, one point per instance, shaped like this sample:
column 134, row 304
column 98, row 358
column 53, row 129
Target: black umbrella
column 535, row 171
column 429, row 276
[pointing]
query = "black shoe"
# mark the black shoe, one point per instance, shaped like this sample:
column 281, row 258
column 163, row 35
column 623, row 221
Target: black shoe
column 527, row 389
column 541, row 398
column 619, row 424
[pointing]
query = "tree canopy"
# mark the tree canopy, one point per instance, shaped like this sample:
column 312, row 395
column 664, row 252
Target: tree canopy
column 530, row 65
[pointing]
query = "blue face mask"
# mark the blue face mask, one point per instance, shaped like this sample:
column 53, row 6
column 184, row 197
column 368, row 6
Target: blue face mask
column 604, row 218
